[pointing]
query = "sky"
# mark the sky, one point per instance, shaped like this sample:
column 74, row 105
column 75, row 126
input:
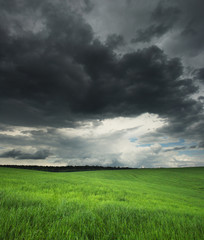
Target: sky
column 99, row 82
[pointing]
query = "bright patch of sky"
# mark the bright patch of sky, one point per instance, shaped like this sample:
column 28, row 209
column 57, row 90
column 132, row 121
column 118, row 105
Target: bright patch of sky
column 133, row 139
column 121, row 141
column 192, row 153
column 181, row 142
column 133, row 126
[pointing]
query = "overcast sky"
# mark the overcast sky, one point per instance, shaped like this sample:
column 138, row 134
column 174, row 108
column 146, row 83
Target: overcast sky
column 100, row 82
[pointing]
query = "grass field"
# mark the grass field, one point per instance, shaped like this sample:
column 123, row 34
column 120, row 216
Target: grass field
column 122, row 204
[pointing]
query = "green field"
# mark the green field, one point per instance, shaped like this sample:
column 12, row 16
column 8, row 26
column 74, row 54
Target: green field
column 113, row 205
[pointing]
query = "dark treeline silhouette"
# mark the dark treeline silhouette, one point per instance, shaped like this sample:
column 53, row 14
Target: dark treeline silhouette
column 63, row 168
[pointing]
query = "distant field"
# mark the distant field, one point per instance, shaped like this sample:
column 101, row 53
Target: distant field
column 113, row 205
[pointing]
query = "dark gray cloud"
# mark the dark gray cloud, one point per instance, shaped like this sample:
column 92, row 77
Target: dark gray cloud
column 199, row 74
column 188, row 37
column 180, row 148
column 201, row 145
column 19, row 155
column 163, row 18
column 174, row 25
column 146, row 35
column 54, row 71
column 88, row 5
column 175, row 149
column 114, row 41
column 182, row 21
column 193, row 147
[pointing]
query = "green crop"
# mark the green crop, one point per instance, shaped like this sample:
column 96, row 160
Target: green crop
column 143, row 204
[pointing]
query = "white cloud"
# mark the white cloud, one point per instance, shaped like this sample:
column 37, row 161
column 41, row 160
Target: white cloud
column 132, row 142
column 131, row 125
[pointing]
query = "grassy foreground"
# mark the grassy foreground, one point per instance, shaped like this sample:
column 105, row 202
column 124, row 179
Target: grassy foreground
column 122, row 204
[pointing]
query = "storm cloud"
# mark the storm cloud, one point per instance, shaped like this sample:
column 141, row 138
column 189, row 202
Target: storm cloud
column 56, row 72
column 62, row 71
column 17, row 154
column 199, row 74
column 164, row 18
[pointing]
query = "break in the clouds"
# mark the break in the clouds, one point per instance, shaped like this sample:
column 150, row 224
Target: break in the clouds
column 115, row 83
